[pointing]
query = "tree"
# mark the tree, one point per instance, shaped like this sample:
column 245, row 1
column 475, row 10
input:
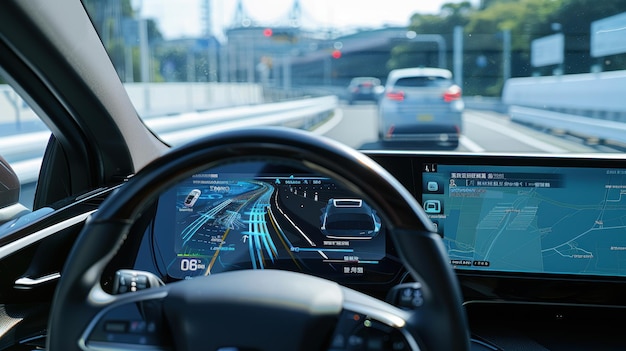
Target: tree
column 483, row 58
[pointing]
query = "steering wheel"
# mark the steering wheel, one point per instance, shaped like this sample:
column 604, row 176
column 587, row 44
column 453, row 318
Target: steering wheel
column 257, row 309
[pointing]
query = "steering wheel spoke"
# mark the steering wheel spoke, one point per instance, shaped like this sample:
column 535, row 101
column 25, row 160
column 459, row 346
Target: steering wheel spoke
column 203, row 311
column 128, row 321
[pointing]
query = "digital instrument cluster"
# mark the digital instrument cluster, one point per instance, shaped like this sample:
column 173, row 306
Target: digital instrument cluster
column 257, row 215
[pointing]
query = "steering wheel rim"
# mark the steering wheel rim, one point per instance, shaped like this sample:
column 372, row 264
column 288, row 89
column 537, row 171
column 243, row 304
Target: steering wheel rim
column 440, row 324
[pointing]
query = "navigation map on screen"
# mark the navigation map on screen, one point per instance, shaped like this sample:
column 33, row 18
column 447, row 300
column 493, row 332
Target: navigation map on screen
column 529, row 219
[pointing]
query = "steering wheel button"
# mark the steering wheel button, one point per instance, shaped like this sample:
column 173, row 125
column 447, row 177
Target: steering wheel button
column 339, row 342
column 355, row 342
column 137, row 327
column 408, row 296
column 115, row 327
column 375, row 343
column 399, row 345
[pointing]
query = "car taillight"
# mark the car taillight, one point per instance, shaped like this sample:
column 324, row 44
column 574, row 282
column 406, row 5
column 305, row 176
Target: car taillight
column 390, row 131
column 395, row 95
column 453, row 93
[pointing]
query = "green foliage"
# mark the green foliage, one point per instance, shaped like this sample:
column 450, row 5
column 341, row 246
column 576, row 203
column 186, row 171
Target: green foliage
column 524, row 19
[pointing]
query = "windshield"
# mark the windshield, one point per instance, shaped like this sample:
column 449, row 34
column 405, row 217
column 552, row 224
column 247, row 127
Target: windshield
column 504, row 76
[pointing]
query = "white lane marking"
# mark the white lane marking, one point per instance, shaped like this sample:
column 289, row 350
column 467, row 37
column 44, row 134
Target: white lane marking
column 470, row 145
column 514, row 134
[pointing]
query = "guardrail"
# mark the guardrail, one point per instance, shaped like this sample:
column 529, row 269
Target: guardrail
column 588, row 105
column 24, row 151
column 157, row 99
column 487, row 103
column 593, row 129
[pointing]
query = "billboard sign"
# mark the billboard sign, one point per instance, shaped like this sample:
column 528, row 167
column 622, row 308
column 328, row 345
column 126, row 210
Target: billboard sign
column 547, row 50
column 608, row 36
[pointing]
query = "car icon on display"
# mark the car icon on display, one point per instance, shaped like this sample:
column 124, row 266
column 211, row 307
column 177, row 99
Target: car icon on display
column 432, row 206
column 192, row 197
column 349, row 219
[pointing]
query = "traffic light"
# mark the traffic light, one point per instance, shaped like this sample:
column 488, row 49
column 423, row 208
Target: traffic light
column 336, row 54
column 268, row 32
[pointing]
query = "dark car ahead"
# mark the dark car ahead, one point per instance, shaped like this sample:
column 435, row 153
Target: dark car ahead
column 421, row 105
column 364, row 88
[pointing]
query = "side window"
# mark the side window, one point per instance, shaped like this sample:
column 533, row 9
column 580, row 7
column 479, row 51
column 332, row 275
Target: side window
column 23, row 139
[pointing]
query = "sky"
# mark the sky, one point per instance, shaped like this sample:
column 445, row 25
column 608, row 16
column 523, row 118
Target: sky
column 183, row 18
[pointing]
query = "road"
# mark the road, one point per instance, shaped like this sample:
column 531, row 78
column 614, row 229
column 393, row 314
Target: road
column 484, row 131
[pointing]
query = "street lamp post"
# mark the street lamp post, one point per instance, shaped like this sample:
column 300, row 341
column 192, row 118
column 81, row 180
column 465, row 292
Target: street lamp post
column 506, row 55
column 458, row 56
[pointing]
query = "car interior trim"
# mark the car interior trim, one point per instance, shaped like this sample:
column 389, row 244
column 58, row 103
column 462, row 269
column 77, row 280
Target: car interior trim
column 21, row 243
column 27, row 282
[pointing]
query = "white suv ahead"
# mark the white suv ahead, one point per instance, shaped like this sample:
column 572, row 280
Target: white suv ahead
column 421, row 105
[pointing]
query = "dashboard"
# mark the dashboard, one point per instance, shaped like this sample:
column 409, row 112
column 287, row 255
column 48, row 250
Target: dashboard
column 506, row 223
column 537, row 242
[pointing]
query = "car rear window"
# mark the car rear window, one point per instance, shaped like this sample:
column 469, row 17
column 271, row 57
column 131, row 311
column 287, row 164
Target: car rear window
column 370, row 81
column 425, row 81
column 350, row 221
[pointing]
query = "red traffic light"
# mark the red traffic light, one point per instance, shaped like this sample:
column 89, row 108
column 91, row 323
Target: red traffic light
column 336, row 54
column 267, row 32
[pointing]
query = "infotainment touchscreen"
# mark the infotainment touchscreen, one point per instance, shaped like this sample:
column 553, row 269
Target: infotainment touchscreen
column 526, row 219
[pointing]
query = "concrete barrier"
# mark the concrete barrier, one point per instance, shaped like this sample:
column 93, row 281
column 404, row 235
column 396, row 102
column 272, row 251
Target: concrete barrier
column 153, row 99
column 487, row 103
column 591, row 105
column 582, row 93
column 157, row 99
column 24, row 151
